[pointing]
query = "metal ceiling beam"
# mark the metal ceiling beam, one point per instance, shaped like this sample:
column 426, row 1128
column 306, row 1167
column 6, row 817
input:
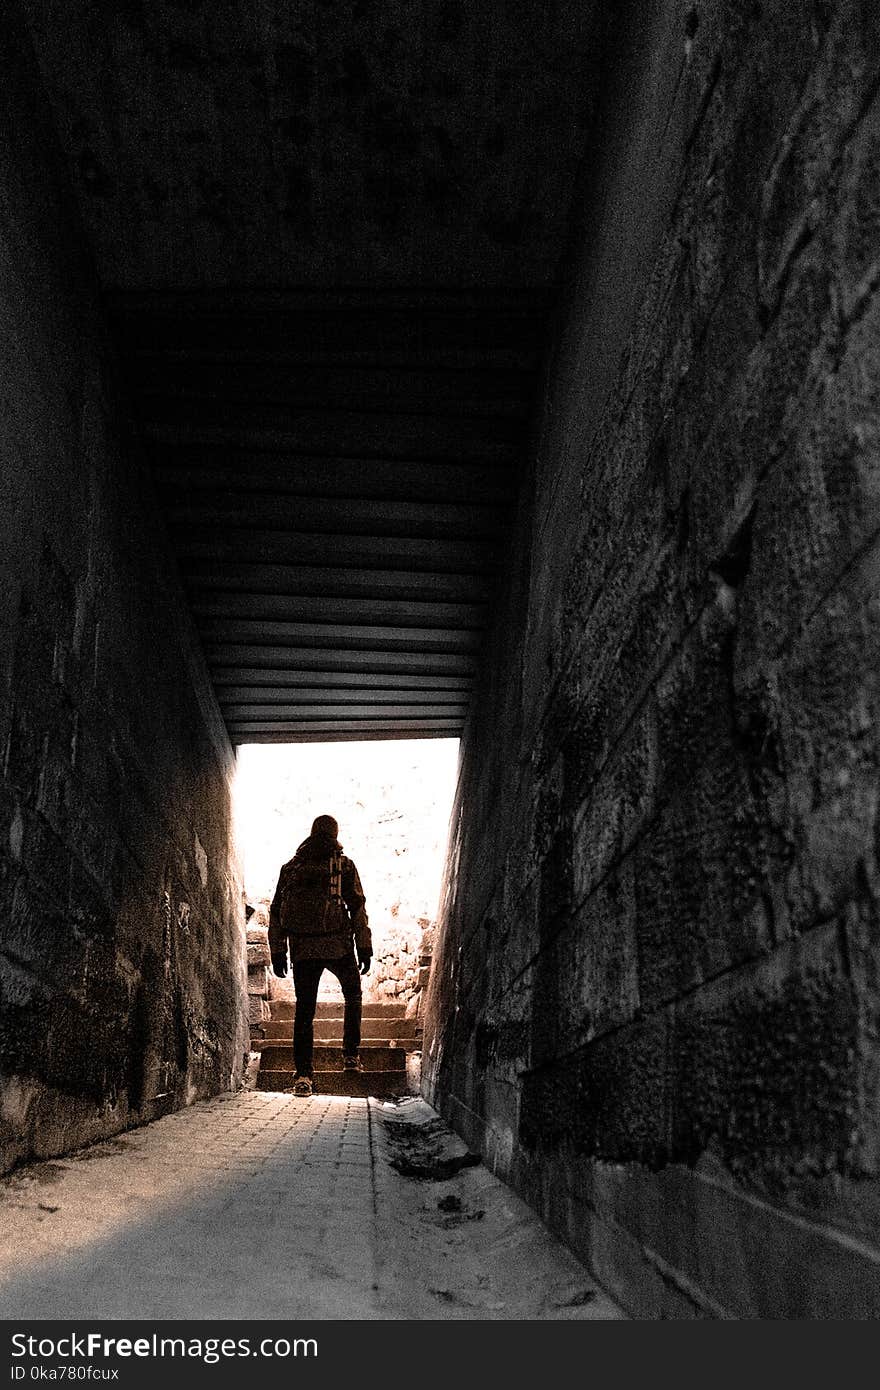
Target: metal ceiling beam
column 301, row 581
column 379, row 612
column 239, row 658
column 346, row 516
column 333, row 636
column 360, row 552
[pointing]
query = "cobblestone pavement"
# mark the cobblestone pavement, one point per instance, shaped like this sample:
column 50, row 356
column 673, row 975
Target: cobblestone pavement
column 260, row 1205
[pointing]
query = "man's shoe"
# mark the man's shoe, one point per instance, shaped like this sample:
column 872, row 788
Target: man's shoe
column 352, row 1063
column 302, row 1086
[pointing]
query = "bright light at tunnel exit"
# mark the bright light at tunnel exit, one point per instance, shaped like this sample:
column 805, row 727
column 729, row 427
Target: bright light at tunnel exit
column 392, row 800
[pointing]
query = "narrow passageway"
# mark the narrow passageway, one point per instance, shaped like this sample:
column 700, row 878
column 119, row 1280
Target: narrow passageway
column 458, row 423
column 257, row 1205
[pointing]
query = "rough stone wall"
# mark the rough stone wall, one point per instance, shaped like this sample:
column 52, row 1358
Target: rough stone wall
column 121, row 920
column 655, row 997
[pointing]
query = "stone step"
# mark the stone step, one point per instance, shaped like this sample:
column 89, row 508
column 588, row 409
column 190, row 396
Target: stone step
column 331, row 1028
column 284, row 1009
column 340, row 1083
column 279, row 1057
column 335, row 1040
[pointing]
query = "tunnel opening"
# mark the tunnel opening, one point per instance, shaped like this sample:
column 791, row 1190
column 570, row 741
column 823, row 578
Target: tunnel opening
column 392, row 801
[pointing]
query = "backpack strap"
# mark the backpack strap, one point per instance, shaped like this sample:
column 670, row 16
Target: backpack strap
column 336, row 878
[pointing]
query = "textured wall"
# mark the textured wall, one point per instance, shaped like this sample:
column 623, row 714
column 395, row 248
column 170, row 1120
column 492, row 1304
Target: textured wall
column 121, row 931
column 655, row 1001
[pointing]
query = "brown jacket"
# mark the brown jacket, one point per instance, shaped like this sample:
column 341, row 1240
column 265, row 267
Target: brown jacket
column 319, row 904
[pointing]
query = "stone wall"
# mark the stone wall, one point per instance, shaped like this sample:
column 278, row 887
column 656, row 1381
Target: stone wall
column 121, row 923
column 655, row 996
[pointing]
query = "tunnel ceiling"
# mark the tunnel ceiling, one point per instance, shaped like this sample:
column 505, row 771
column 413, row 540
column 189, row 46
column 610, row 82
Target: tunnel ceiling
column 327, row 236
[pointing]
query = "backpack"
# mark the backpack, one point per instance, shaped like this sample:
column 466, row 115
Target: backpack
column 311, row 900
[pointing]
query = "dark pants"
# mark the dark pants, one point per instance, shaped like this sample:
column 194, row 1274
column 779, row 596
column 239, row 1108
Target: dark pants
column 306, row 978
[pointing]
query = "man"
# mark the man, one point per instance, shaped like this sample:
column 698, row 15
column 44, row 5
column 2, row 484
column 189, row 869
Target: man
column 318, row 908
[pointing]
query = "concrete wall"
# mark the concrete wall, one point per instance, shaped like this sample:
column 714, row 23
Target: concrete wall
column 121, row 923
column 655, row 1001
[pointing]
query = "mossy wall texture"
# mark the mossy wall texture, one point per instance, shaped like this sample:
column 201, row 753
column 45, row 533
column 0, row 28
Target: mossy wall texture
column 121, row 920
column 655, row 997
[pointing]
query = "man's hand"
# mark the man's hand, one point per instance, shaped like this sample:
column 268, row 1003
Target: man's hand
column 364, row 960
column 279, row 964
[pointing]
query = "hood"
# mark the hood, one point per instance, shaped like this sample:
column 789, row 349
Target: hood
column 316, row 847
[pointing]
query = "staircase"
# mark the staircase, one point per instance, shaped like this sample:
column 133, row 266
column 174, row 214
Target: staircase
column 386, row 1038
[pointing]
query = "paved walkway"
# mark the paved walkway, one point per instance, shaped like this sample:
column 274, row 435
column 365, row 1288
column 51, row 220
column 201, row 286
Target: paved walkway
column 259, row 1205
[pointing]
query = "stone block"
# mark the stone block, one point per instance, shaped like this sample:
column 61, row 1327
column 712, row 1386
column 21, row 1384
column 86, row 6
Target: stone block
column 281, row 988
column 258, row 979
column 741, row 1257
column 611, row 1098
column 763, row 1070
column 258, row 1010
column 413, row 1072
column 258, row 953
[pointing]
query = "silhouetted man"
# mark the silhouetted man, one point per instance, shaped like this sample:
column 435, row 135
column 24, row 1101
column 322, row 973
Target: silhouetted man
column 318, row 909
